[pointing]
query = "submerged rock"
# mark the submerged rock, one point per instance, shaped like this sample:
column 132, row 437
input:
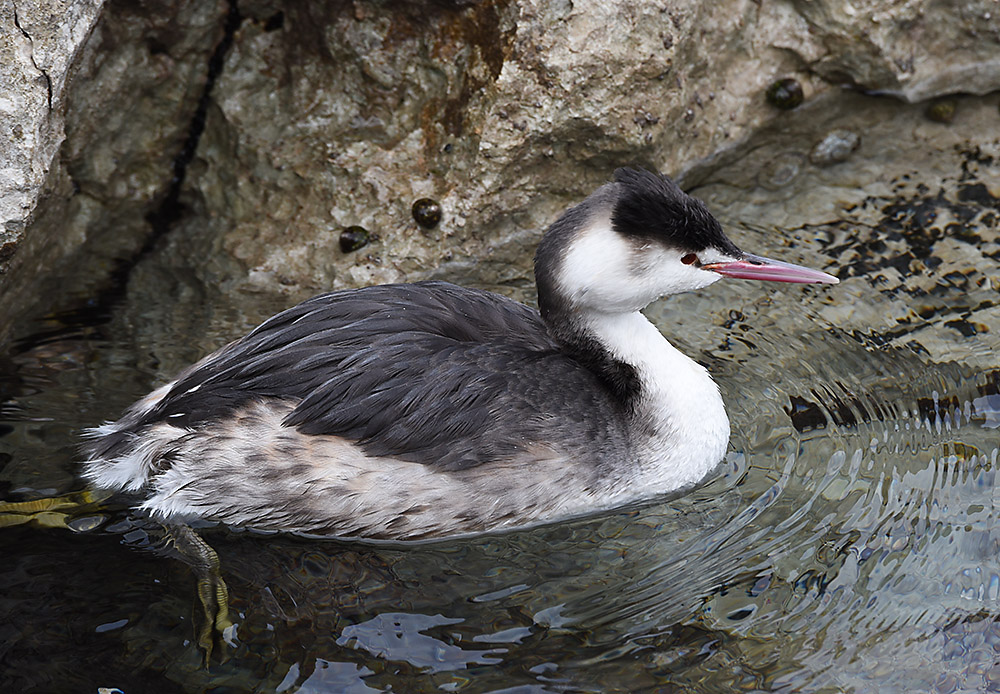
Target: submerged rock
column 836, row 146
column 908, row 223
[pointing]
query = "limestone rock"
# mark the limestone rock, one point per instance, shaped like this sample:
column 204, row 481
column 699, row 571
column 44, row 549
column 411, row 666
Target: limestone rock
column 38, row 44
column 915, row 49
column 907, row 222
column 103, row 97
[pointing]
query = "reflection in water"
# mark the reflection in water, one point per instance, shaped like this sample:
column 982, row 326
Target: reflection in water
column 402, row 637
column 847, row 543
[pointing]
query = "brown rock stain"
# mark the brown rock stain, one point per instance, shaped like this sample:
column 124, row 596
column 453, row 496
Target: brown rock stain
column 472, row 36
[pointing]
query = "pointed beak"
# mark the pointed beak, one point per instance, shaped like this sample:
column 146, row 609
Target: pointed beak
column 755, row 267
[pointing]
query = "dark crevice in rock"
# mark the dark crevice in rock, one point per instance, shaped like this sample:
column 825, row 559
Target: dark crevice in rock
column 48, row 80
column 169, row 211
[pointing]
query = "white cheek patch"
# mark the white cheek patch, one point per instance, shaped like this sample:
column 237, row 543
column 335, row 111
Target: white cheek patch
column 597, row 271
column 665, row 273
column 604, row 271
column 676, row 277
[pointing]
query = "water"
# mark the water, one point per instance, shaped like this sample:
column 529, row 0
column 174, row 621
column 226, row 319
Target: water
column 851, row 547
column 848, row 542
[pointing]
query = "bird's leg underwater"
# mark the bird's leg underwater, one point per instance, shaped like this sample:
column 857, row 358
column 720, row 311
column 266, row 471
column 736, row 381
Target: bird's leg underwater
column 216, row 627
column 179, row 541
column 52, row 512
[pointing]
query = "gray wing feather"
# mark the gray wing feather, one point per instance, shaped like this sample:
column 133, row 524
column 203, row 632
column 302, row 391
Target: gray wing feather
column 427, row 372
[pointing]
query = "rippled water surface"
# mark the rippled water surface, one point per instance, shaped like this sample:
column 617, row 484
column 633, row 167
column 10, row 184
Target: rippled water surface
column 847, row 544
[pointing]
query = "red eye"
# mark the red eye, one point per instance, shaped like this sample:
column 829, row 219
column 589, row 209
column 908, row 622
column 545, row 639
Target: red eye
column 689, row 259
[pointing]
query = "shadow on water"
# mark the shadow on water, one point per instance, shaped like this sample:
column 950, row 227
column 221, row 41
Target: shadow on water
column 847, row 543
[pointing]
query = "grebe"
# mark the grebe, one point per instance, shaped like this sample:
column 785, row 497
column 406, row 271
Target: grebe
column 411, row 411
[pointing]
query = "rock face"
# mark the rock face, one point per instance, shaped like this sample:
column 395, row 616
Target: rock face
column 915, row 49
column 505, row 112
column 35, row 59
column 907, row 220
column 100, row 98
column 326, row 116
column 36, row 51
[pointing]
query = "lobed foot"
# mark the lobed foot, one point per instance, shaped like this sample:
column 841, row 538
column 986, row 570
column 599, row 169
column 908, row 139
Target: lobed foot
column 215, row 630
column 51, row 512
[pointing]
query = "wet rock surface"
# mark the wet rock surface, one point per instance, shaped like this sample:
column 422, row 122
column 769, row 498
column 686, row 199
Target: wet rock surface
column 38, row 47
column 908, row 221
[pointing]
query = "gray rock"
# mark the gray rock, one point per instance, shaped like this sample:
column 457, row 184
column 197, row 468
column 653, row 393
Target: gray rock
column 103, row 97
column 908, row 222
column 835, row 147
column 915, row 49
column 503, row 112
column 37, row 46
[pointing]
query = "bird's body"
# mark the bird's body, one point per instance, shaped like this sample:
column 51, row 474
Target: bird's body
column 424, row 410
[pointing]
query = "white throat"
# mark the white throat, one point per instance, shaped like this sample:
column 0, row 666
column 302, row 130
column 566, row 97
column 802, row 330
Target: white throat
column 682, row 430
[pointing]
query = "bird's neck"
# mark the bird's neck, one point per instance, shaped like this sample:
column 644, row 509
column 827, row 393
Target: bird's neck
column 677, row 420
